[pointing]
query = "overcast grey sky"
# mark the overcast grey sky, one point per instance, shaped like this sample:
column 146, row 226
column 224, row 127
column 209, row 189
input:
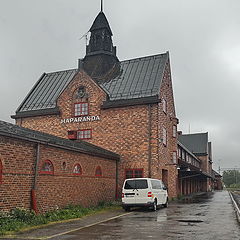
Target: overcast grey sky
column 202, row 36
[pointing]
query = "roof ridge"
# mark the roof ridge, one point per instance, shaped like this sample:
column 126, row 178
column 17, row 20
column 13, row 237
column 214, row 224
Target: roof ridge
column 60, row 71
column 149, row 56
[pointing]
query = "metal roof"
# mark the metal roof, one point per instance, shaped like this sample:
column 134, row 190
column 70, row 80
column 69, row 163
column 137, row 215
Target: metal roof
column 11, row 130
column 197, row 143
column 137, row 78
column 140, row 77
column 46, row 91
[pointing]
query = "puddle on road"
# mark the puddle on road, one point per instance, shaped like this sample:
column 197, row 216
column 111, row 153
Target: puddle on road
column 190, row 221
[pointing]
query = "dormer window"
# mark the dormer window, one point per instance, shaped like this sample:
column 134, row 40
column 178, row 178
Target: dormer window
column 81, row 109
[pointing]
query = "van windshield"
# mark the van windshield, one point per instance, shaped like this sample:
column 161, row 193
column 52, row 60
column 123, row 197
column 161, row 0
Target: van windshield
column 136, row 184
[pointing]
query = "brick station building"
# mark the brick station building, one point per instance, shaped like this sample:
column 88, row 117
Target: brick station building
column 125, row 107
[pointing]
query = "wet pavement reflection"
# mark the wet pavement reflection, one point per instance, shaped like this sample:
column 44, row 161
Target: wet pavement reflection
column 205, row 217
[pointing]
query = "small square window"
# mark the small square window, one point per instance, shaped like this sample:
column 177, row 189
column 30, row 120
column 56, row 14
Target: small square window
column 84, row 134
column 81, row 109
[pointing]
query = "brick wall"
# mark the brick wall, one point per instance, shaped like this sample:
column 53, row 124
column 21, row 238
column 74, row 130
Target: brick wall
column 55, row 190
column 134, row 132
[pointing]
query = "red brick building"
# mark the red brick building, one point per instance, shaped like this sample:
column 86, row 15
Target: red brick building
column 43, row 172
column 126, row 107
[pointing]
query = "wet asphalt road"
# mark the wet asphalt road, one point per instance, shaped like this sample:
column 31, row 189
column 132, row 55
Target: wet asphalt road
column 208, row 217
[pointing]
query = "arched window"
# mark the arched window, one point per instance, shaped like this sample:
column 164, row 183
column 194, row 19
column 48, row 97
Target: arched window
column 47, row 167
column 77, row 170
column 98, row 172
column 1, row 170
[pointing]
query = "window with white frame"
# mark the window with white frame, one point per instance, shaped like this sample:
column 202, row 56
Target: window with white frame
column 174, row 157
column 164, row 137
column 81, row 109
column 174, row 131
column 84, row 134
column 164, row 105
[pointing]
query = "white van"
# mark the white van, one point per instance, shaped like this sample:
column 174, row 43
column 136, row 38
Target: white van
column 144, row 192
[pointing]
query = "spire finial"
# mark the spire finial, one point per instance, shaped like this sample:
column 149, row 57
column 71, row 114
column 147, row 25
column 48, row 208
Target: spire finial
column 101, row 5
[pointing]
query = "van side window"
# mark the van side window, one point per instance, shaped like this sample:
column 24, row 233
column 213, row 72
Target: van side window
column 156, row 184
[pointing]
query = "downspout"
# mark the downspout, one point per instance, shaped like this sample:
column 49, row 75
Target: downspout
column 116, row 193
column 149, row 141
column 33, row 191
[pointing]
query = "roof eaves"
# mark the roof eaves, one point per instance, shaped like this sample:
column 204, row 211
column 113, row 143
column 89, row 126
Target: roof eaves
column 50, row 142
column 36, row 113
column 130, row 102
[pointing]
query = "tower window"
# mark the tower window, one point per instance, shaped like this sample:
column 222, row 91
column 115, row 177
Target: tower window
column 81, row 109
column 84, row 134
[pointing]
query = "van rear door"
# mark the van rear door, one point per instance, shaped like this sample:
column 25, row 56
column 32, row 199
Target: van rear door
column 136, row 191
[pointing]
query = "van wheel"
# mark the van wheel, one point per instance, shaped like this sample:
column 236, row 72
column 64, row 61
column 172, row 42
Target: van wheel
column 166, row 204
column 154, row 207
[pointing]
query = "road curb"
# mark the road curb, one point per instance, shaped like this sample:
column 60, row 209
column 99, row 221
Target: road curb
column 236, row 208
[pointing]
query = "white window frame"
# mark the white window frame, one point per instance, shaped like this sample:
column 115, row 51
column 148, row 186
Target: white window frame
column 164, row 136
column 164, row 105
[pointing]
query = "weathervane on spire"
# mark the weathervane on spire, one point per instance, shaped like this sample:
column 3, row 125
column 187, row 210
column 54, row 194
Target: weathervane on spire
column 101, row 5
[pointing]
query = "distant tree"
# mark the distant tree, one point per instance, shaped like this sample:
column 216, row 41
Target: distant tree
column 231, row 177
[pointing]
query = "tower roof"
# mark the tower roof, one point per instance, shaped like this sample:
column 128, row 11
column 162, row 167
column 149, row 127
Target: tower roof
column 101, row 22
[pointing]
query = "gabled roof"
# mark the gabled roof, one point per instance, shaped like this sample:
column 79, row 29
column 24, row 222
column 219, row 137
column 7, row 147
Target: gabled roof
column 197, row 143
column 11, row 130
column 137, row 78
column 101, row 22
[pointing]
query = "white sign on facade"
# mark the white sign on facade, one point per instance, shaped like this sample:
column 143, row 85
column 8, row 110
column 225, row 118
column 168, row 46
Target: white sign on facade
column 81, row 119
